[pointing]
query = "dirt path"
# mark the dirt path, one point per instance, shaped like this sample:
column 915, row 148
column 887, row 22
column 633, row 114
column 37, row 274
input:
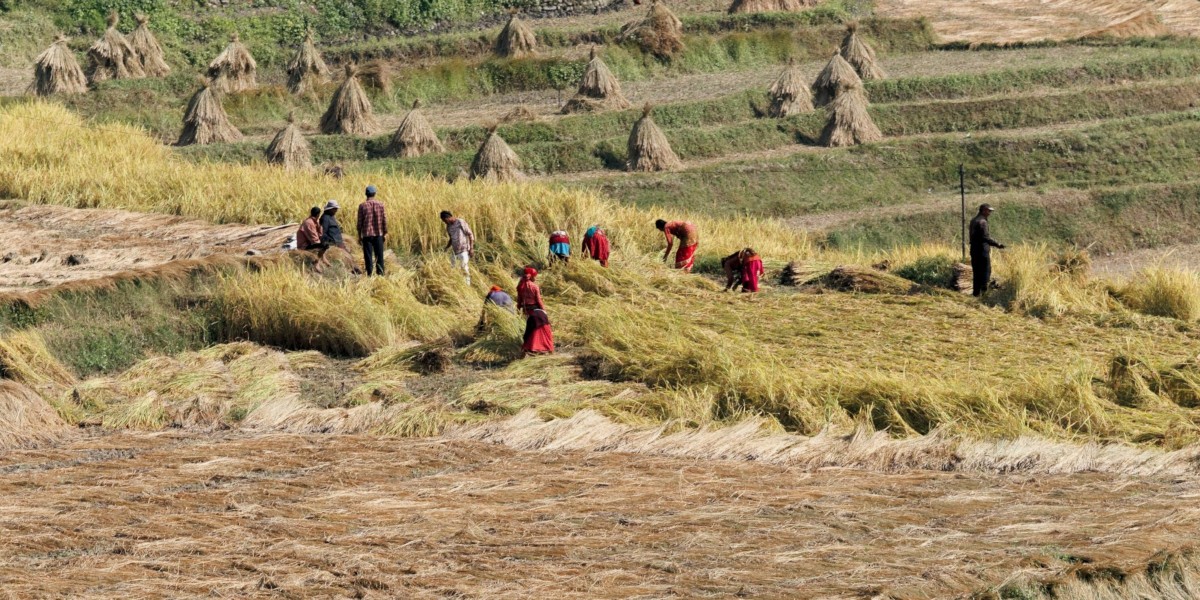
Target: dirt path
column 58, row 245
column 192, row 515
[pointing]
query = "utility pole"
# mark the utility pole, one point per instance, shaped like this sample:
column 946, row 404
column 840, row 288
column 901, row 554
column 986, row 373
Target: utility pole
column 962, row 194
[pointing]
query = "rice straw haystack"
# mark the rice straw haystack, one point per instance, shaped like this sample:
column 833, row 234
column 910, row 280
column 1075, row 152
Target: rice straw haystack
column 289, row 148
column 598, row 89
column 205, row 121
column 836, row 76
column 762, row 6
column 377, row 74
column 849, row 122
column 659, row 33
column 516, row 40
column 649, row 149
column 149, row 51
column 307, row 69
column 57, row 72
column 860, row 55
column 414, row 137
column 349, row 110
column 789, row 94
column 111, row 57
column 495, row 161
column 234, row 69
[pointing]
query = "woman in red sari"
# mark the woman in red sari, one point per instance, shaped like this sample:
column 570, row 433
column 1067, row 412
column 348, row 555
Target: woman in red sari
column 539, row 339
column 529, row 295
column 595, row 245
column 752, row 269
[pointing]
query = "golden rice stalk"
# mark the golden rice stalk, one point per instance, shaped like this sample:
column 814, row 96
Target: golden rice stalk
column 349, row 110
column 860, row 55
column 495, row 161
column 836, row 76
column 149, row 51
column 1164, row 292
column 307, row 69
column 649, row 149
column 789, row 94
column 414, row 136
column 25, row 418
column 516, row 40
column 598, row 89
column 289, row 148
column 849, row 122
column 660, row 32
column 762, row 6
column 57, row 72
column 205, row 121
column 111, row 57
column 234, row 69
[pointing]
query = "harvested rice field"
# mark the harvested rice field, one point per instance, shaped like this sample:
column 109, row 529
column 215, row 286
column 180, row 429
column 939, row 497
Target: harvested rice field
column 233, row 515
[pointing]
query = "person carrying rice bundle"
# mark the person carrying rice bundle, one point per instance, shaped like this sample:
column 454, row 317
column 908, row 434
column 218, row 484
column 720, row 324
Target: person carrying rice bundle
column 595, row 245
column 752, row 270
column 539, row 339
column 689, row 239
column 560, row 246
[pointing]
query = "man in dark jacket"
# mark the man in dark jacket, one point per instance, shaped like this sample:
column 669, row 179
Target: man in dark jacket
column 331, row 231
column 981, row 250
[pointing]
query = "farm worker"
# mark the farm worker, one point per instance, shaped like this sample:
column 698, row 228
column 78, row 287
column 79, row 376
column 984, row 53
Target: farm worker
column 372, row 229
column 529, row 295
column 732, row 265
column 595, row 245
column 539, row 339
column 689, row 238
column 981, row 250
column 331, row 231
column 309, row 237
column 752, row 269
column 499, row 298
column 560, row 246
column 461, row 242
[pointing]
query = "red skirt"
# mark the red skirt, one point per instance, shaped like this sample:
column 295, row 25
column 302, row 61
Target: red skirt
column 685, row 257
column 539, row 341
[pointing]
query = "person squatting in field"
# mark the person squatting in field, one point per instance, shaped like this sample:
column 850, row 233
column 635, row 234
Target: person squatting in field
column 595, row 245
column 689, row 239
column 460, row 241
column 309, row 237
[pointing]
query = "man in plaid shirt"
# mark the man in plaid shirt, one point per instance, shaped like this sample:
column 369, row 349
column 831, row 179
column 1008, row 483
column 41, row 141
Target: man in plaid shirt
column 372, row 228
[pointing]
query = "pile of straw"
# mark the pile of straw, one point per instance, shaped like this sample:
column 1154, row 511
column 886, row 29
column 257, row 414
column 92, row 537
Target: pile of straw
column 835, row 77
column 377, row 74
column 307, row 69
column 111, row 57
column 849, row 122
column 519, row 114
column 414, row 137
column 234, row 69
column 516, row 40
column 598, row 89
column 495, row 161
column 762, row 6
column 149, row 51
column 25, row 419
column 659, row 33
column 789, row 94
column 860, row 55
column 289, row 148
column 205, row 121
column 649, row 149
column 57, row 72
column 350, row 109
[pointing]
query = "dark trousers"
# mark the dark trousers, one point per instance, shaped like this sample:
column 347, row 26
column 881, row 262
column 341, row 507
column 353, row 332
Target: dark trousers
column 373, row 254
column 981, row 271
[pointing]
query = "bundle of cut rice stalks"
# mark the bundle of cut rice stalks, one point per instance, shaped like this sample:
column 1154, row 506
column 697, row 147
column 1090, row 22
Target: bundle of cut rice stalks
column 598, row 89
column 516, row 40
column 205, row 121
column 350, row 110
column 307, row 69
column 860, row 55
column 234, row 69
column 660, row 32
column 148, row 50
column 649, row 149
column 835, row 77
column 57, row 72
column 289, row 148
column 111, row 57
column 849, row 121
column 495, row 161
column 789, row 94
column 415, row 136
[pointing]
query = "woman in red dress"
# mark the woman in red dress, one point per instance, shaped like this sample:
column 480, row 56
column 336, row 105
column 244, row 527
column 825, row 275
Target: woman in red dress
column 595, row 245
column 752, row 269
column 529, row 295
column 539, row 339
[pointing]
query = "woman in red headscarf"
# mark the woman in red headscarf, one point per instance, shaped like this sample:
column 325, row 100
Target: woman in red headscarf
column 752, row 269
column 539, row 339
column 529, row 295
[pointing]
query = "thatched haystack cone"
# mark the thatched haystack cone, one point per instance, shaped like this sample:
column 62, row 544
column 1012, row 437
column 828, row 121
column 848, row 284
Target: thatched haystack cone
column 377, row 74
column 659, row 33
column 414, row 137
column 649, row 149
column 289, row 148
column 789, row 94
column 349, row 110
column 849, row 122
column 516, row 40
column 149, row 51
column 598, row 89
column 57, row 72
column 860, row 55
column 234, row 69
column 111, row 57
column 205, row 121
column 762, row 6
column 495, row 161
column 307, row 69
column 836, row 76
